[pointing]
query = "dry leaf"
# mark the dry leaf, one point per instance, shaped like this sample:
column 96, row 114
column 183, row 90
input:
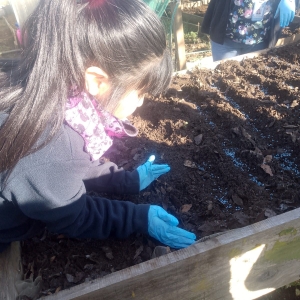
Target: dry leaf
column 270, row 213
column 210, row 205
column 267, row 169
column 242, row 218
column 52, row 258
column 198, row 139
column 237, row 200
column 108, row 252
column 293, row 134
column 185, row 208
column 268, row 159
column 138, row 251
column 190, row 164
column 70, row 278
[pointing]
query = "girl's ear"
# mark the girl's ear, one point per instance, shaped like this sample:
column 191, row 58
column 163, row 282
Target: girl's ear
column 96, row 81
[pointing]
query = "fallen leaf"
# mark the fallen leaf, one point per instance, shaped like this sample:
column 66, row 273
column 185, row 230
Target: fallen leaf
column 52, row 258
column 236, row 130
column 257, row 152
column 159, row 251
column 267, row 169
column 242, row 218
column 108, row 252
column 70, row 278
column 270, row 213
column 198, row 139
column 185, row 208
column 267, row 159
column 272, row 123
column 210, row 205
column 237, row 200
column 138, row 251
column 293, row 134
column 190, row 164
column 247, row 136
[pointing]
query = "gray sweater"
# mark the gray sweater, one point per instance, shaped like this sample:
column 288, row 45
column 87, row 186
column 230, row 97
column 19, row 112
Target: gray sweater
column 48, row 189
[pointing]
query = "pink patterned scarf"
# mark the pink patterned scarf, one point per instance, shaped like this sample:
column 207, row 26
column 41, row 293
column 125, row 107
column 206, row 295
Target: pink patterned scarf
column 95, row 125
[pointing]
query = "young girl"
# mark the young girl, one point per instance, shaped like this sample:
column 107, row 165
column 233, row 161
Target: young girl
column 85, row 66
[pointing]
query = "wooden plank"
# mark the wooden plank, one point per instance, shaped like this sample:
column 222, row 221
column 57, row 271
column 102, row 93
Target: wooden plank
column 179, row 38
column 243, row 264
column 208, row 62
column 193, row 19
column 11, row 271
column 288, row 40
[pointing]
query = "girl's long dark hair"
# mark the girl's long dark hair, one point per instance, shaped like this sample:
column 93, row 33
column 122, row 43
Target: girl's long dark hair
column 61, row 39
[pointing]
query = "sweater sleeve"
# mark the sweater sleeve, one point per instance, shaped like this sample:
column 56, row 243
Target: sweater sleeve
column 216, row 19
column 55, row 194
column 108, row 178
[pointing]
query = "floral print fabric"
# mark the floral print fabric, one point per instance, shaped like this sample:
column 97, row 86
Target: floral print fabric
column 250, row 21
column 95, row 125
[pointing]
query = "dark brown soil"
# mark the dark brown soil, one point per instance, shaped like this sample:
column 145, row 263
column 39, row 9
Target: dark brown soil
column 231, row 137
column 294, row 28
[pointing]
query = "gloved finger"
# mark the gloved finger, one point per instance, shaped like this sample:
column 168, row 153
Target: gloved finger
column 181, row 233
column 177, row 242
column 292, row 16
column 285, row 21
column 158, row 170
column 151, row 159
column 164, row 216
column 276, row 13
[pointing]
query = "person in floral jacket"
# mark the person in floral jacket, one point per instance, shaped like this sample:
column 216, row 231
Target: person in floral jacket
column 238, row 27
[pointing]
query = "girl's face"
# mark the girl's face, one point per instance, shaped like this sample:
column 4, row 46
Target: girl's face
column 97, row 83
column 128, row 105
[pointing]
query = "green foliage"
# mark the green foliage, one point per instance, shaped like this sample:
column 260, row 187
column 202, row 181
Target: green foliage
column 191, row 37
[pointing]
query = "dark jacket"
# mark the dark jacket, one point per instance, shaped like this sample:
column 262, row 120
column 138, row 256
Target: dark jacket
column 216, row 18
column 48, row 189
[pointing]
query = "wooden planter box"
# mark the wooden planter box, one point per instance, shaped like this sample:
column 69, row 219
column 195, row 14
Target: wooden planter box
column 240, row 264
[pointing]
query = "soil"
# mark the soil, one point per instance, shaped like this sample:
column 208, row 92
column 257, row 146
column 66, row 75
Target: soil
column 293, row 28
column 231, row 136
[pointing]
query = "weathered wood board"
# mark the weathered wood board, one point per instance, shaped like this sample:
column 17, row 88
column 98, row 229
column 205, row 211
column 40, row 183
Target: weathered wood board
column 243, row 264
column 11, row 271
column 190, row 18
column 180, row 56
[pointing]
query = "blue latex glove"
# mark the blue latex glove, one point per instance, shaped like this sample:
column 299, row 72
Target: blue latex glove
column 149, row 172
column 163, row 227
column 286, row 8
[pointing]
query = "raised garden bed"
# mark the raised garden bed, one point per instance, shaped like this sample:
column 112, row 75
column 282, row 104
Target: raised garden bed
column 231, row 137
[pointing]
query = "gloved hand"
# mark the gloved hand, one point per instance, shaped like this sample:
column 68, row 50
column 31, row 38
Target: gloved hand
column 163, row 227
column 286, row 8
column 149, row 172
